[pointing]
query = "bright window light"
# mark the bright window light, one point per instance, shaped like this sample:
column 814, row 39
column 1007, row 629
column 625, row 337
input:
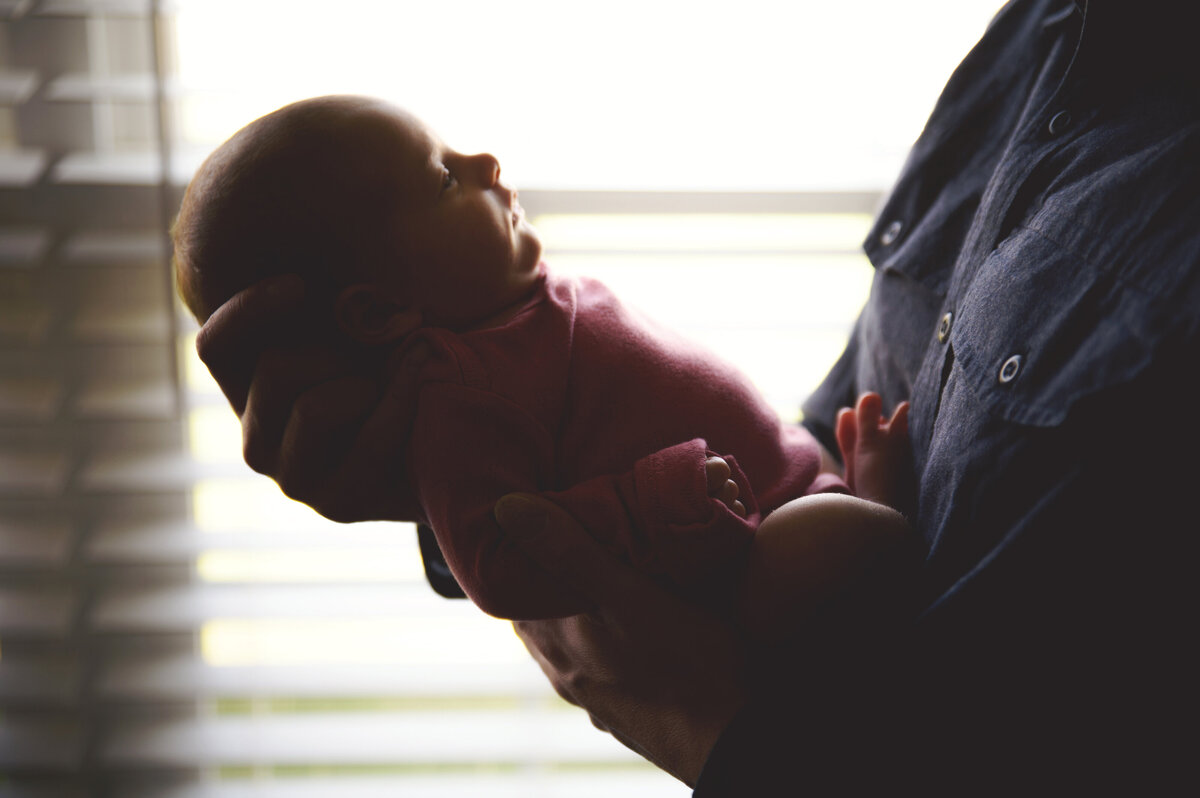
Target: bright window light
column 223, row 504
column 214, row 432
column 628, row 94
column 704, row 232
column 459, row 637
column 311, row 566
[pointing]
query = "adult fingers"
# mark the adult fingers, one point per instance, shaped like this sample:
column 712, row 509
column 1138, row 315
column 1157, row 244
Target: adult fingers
column 387, row 428
column 340, row 449
column 281, row 378
column 226, row 341
column 319, row 429
column 543, row 639
column 370, row 475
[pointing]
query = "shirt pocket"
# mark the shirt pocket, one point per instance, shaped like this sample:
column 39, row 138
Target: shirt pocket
column 922, row 247
column 1038, row 329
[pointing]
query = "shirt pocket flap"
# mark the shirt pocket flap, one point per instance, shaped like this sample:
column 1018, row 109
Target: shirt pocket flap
column 1038, row 330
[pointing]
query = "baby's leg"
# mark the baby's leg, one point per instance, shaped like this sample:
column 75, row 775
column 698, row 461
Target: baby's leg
column 813, row 550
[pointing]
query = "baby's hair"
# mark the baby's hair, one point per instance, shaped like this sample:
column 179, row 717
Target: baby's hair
column 292, row 192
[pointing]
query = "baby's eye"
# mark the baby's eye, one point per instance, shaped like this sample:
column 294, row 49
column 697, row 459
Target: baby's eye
column 447, row 179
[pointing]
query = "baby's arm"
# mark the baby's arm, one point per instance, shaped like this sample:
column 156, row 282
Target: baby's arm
column 471, row 447
column 468, row 448
column 681, row 513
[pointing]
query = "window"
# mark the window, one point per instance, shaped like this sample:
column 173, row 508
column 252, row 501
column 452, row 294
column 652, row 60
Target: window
column 170, row 625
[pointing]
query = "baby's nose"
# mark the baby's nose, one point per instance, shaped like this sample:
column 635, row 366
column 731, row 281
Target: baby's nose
column 484, row 168
column 490, row 169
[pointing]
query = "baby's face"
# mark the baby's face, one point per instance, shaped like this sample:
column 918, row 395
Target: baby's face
column 467, row 249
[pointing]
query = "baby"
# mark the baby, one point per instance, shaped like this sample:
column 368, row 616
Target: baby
column 529, row 381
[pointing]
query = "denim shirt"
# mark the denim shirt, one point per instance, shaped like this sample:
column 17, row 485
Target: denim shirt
column 1037, row 299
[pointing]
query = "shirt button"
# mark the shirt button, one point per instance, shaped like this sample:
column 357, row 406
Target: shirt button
column 891, row 233
column 1008, row 372
column 1059, row 122
column 943, row 332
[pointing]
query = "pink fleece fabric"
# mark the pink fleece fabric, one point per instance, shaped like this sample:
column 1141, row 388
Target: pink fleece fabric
column 608, row 414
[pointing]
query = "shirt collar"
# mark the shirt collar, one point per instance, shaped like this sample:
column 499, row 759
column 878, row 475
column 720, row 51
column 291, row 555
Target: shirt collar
column 1124, row 40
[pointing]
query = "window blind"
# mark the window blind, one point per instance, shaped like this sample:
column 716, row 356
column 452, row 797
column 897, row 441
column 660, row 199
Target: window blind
column 90, row 406
column 171, row 625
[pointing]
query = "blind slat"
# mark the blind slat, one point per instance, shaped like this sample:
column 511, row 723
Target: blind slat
column 115, row 246
column 21, row 168
column 85, row 87
column 538, row 737
column 42, row 541
column 16, row 85
column 517, row 783
column 22, row 246
column 38, row 472
column 84, row 8
column 180, row 676
column 38, row 610
column 117, row 471
column 113, row 396
column 38, row 743
column 134, row 168
column 132, row 541
column 38, row 680
column 184, row 606
column 29, row 398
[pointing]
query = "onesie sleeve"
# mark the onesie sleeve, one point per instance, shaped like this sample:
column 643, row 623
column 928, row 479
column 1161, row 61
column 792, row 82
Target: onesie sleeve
column 661, row 518
column 470, row 447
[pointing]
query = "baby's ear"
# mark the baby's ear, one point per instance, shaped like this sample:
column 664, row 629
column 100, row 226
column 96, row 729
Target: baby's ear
column 369, row 317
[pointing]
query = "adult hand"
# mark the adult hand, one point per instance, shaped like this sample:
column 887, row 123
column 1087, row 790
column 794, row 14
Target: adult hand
column 661, row 675
column 328, row 436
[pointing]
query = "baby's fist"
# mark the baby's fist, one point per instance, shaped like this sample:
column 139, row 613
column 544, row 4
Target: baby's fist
column 721, row 486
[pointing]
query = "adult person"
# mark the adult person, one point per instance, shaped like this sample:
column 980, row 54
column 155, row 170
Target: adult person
column 1037, row 298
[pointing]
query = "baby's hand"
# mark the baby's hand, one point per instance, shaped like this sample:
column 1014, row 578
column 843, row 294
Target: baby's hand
column 721, row 487
column 875, row 450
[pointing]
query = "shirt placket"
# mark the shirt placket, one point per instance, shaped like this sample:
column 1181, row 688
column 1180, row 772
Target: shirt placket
column 1050, row 118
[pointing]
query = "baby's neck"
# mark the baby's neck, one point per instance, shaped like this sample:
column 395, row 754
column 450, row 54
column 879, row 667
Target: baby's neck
column 497, row 319
column 503, row 315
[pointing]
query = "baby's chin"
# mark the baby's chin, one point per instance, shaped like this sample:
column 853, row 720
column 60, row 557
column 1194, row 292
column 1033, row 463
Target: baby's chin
column 529, row 243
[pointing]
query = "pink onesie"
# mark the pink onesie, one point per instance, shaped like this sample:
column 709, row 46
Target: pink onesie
column 610, row 415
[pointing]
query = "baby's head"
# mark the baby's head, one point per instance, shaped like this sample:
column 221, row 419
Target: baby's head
column 390, row 228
